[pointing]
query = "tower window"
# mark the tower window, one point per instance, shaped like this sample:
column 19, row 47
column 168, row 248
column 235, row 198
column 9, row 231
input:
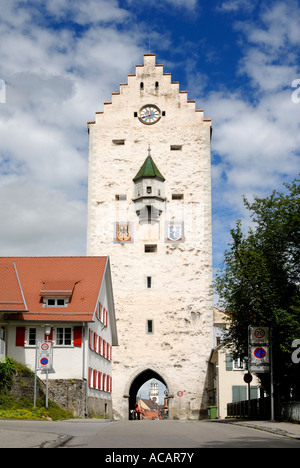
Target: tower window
column 121, row 197
column 177, row 196
column 141, row 85
column 156, row 84
column 149, row 326
column 149, row 282
column 118, row 142
column 176, row 147
column 150, row 248
column 149, row 189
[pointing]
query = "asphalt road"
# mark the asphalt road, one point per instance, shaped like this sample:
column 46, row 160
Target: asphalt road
column 174, row 435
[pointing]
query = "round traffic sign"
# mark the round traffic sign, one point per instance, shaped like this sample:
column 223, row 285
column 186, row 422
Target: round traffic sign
column 44, row 361
column 248, row 378
column 260, row 353
column 259, row 333
column 45, row 346
column 180, row 394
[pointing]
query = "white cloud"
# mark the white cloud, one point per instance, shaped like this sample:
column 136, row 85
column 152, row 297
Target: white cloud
column 233, row 6
column 55, row 81
column 256, row 139
column 39, row 221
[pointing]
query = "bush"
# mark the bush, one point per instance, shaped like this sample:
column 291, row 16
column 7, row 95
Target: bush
column 7, row 369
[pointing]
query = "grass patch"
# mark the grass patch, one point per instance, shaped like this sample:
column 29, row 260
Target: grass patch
column 13, row 408
column 22, row 408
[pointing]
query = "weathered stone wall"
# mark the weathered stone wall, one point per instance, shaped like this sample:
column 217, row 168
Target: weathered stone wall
column 69, row 395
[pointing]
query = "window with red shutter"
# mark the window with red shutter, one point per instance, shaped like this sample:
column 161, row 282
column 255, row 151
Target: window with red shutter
column 95, row 341
column 90, row 376
column 77, row 337
column 104, row 349
column 99, row 380
column 20, row 336
column 103, row 382
column 99, row 345
column 94, row 378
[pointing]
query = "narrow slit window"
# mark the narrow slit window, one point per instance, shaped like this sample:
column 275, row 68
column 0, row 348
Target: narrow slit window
column 176, row 147
column 149, row 282
column 149, row 326
column 121, row 197
column 150, row 248
column 177, row 196
column 118, row 142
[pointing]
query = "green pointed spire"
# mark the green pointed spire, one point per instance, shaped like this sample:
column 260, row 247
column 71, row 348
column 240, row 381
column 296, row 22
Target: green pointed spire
column 149, row 169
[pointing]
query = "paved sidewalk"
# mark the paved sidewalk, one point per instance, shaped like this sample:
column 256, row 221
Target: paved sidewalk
column 275, row 427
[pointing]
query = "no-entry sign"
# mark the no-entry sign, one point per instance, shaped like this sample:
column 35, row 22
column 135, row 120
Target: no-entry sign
column 180, row 394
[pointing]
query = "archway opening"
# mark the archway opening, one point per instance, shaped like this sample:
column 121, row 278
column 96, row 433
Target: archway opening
column 136, row 392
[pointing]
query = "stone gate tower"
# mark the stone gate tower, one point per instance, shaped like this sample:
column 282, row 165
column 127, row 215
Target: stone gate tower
column 149, row 208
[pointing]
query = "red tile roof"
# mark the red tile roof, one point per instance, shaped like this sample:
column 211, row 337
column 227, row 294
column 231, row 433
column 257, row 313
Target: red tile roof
column 80, row 278
column 11, row 298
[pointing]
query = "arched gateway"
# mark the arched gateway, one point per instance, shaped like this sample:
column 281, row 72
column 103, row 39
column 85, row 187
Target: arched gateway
column 149, row 209
column 138, row 379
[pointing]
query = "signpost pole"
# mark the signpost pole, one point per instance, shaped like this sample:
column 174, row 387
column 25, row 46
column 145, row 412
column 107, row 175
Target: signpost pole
column 35, row 375
column 271, row 377
column 46, row 388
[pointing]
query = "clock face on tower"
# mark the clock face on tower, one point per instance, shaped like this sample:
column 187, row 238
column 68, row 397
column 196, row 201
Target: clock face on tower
column 149, row 114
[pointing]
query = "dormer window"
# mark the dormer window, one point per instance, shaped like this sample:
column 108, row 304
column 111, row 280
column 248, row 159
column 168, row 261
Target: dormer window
column 55, row 302
column 57, row 293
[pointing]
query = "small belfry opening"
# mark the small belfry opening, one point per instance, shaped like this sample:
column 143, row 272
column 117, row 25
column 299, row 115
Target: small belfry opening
column 141, row 394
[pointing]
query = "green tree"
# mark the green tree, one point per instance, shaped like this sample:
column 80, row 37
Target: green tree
column 259, row 284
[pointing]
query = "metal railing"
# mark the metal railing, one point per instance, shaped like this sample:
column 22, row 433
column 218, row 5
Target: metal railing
column 255, row 409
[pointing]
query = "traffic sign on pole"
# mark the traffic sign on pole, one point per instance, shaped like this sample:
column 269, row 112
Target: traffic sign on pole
column 44, row 362
column 259, row 351
column 259, row 335
column 45, row 347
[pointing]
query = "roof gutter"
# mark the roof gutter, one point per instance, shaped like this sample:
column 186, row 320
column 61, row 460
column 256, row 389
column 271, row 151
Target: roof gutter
column 23, row 297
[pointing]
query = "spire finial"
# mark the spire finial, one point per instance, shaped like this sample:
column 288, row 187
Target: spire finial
column 149, row 150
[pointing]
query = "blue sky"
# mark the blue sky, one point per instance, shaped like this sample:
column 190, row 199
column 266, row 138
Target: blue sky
column 61, row 59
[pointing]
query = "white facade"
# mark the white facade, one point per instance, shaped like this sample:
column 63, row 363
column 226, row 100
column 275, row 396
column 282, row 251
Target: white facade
column 161, row 266
column 81, row 326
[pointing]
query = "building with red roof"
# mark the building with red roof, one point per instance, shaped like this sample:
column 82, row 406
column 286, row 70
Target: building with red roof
column 69, row 302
